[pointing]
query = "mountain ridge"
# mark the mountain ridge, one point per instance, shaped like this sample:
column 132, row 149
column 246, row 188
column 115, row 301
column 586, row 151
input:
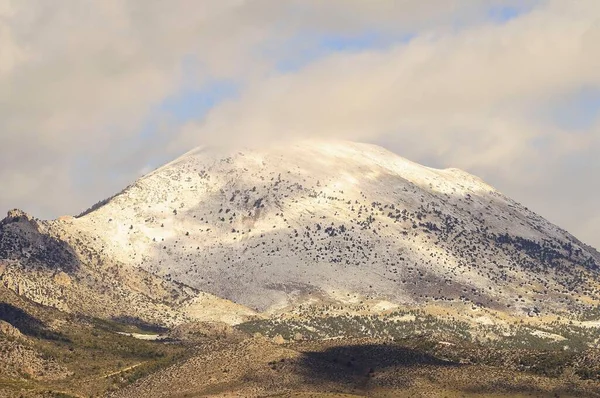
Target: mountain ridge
column 209, row 213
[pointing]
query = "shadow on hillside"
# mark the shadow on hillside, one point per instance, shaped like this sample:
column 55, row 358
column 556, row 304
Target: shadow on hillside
column 27, row 324
column 356, row 363
column 357, row 367
column 140, row 324
column 22, row 234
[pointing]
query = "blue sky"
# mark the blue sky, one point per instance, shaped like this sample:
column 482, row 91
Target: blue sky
column 190, row 103
column 578, row 110
column 505, row 13
column 312, row 48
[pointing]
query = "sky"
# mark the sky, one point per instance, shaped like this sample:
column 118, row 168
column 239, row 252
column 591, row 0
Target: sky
column 95, row 93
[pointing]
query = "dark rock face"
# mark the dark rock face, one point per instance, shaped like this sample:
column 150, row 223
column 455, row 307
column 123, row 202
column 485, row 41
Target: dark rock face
column 28, row 240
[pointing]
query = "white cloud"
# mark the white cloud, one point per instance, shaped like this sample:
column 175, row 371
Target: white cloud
column 462, row 99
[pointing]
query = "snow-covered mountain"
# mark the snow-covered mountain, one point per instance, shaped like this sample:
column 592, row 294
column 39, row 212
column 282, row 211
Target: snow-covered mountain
column 314, row 222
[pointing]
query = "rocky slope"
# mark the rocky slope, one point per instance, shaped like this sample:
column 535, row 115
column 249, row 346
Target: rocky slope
column 357, row 368
column 48, row 263
column 317, row 222
column 45, row 352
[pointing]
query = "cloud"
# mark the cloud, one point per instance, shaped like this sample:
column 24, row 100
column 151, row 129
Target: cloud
column 469, row 99
column 79, row 79
column 479, row 82
column 92, row 92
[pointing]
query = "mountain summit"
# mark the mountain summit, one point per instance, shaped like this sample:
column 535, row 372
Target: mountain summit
column 314, row 222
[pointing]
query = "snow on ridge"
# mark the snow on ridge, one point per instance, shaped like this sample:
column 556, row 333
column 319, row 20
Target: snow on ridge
column 269, row 226
column 340, row 153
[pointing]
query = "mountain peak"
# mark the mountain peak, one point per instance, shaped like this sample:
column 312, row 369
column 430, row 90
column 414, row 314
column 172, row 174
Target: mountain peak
column 16, row 214
column 269, row 227
column 329, row 158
